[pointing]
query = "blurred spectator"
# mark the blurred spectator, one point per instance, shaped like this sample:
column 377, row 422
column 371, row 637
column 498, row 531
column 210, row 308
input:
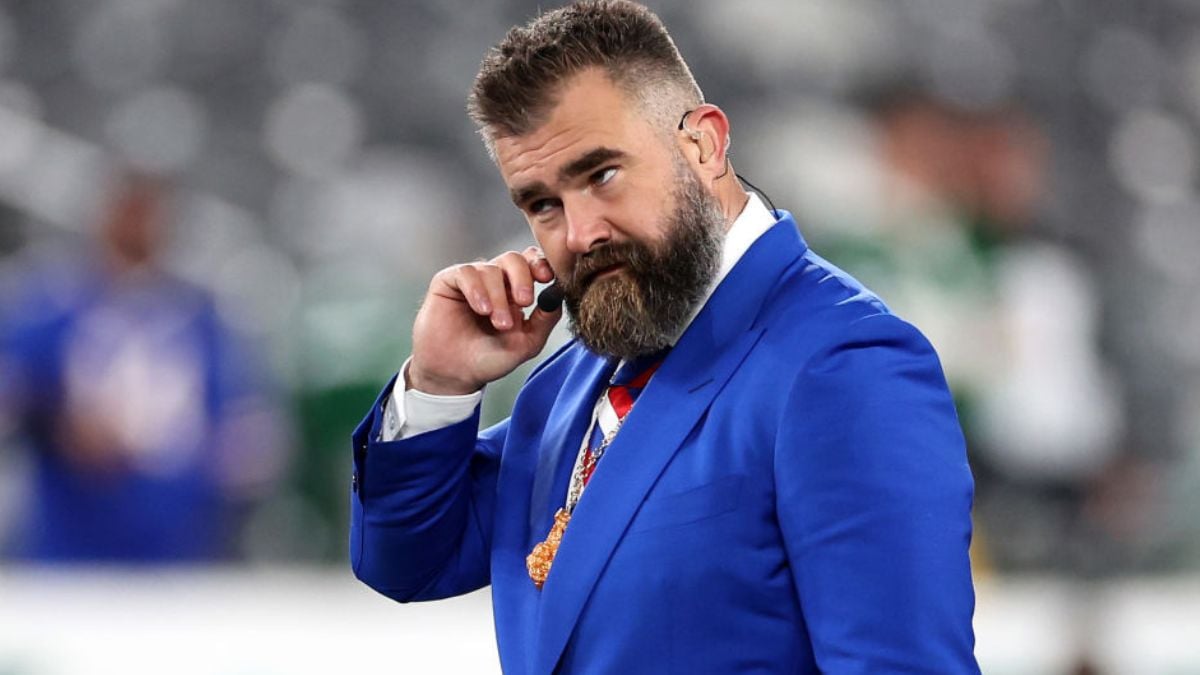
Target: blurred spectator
column 144, row 418
column 1013, row 314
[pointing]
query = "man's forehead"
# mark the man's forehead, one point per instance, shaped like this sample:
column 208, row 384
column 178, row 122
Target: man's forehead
column 587, row 110
column 551, row 146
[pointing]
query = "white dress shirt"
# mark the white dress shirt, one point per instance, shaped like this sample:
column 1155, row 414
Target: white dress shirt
column 409, row 412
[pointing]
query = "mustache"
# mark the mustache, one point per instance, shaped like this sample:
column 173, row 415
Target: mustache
column 593, row 262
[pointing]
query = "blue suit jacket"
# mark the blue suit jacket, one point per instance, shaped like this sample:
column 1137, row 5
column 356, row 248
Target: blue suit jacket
column 790, row 494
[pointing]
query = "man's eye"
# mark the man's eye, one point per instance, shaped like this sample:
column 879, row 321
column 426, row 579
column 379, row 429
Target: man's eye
column 604, row 175
column 541, row 206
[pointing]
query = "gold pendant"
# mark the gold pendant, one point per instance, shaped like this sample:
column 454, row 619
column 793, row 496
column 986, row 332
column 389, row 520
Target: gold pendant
column 539, row 560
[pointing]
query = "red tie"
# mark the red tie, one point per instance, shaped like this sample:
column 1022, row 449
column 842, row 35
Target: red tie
column 627, row 384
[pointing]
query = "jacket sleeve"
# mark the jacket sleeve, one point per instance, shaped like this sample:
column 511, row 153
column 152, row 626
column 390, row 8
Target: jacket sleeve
column 421, row 507
column 874, row 499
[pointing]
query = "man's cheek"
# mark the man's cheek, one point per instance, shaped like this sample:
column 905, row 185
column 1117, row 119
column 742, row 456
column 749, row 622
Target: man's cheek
column 563, row 269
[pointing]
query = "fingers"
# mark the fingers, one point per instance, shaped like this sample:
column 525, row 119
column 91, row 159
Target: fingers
column 498, row 289
column 465, row 281
column 538, row 265
column 518, row 272
column 498, row 296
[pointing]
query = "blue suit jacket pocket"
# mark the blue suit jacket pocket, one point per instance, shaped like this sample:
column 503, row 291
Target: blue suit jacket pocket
column 699, row 503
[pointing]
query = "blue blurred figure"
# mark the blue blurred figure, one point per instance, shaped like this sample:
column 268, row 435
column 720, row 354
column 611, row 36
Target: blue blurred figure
column 147, row 431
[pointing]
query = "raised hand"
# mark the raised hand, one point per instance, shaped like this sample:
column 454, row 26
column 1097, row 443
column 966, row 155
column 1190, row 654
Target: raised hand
column 471, row 329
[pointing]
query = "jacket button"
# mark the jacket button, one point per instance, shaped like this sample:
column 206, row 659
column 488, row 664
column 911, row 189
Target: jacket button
column 354, row 482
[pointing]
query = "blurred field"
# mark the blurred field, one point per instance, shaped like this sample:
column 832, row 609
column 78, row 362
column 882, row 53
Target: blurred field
column 295, row 621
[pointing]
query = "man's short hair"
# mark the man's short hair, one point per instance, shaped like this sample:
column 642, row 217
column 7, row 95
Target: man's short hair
column 520, row 78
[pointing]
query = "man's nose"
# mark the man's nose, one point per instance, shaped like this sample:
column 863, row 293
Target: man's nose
column 587, row 226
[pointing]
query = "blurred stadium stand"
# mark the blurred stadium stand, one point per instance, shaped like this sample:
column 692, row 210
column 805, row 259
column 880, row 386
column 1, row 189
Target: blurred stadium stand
column 1018, row 177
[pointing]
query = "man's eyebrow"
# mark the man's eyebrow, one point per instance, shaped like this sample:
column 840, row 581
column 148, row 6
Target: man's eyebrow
column 525, row 193
column 589, row 161
column 585, row 163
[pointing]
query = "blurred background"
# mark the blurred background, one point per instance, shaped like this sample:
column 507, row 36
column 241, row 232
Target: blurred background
column 217, row 218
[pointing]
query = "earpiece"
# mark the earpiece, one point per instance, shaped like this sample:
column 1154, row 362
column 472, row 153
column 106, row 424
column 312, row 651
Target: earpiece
column 696, row 135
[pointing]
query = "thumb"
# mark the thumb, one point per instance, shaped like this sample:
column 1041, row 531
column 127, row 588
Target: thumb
column 540, row 323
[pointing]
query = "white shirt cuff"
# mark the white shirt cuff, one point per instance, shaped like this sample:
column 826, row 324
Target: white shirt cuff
column 409, row 412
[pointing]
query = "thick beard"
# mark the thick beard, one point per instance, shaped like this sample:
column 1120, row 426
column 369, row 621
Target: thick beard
column 642, row 308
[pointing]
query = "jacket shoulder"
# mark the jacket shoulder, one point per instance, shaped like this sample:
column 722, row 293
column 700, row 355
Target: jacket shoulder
column 816, row 298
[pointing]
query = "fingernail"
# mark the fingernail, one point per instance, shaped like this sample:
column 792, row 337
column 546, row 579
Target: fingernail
column 502, row 318
column 483, row 302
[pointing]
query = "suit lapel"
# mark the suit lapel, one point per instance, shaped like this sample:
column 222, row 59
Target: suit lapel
column 707, row 355
column 533, row 486
column 565, row 428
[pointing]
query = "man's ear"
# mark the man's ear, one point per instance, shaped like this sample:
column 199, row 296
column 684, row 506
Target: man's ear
column 704, row 134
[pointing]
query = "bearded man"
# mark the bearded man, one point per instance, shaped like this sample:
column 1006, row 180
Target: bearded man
column 743, row 462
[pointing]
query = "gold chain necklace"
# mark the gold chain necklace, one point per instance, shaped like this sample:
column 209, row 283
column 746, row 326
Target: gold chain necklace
column 539, row 560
